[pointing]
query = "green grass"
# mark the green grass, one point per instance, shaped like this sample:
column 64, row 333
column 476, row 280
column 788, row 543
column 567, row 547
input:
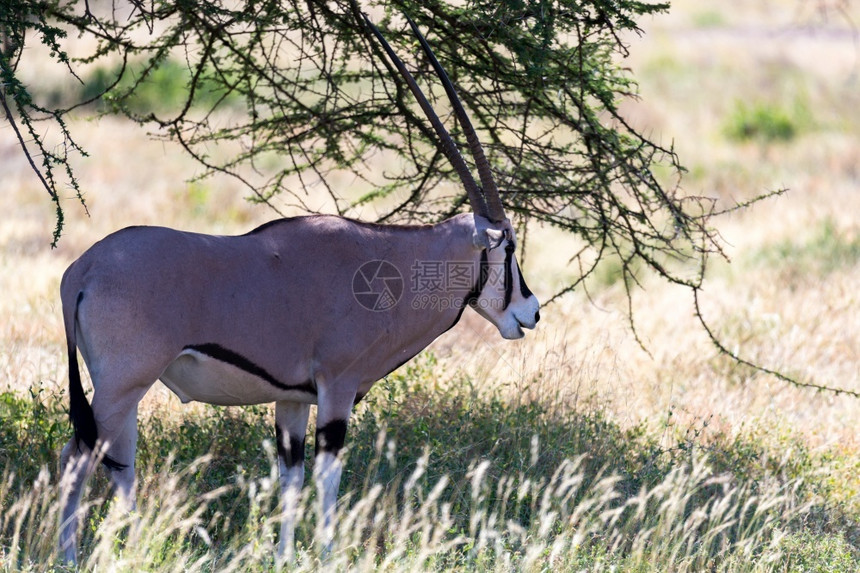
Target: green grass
column 162, row 89
column 766, row 122
column 804, row 551
column 441, row 476
column 826, row 249
column 707, row 19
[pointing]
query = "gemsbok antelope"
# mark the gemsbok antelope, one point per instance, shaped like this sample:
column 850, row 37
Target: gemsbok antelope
column 300, row 311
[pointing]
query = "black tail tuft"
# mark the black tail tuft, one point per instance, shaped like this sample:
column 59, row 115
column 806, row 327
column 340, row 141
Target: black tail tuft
column 80, row 412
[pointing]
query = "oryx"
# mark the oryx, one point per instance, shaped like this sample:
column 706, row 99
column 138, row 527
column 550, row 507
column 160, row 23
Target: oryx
column 300, row 311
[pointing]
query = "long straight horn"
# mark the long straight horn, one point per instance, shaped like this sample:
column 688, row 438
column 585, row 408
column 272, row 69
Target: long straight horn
column 491, row 191
column 449, row 148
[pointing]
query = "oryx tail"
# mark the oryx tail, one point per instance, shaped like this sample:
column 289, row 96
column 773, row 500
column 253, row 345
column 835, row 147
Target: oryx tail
column 301, row 311
column 80, row 412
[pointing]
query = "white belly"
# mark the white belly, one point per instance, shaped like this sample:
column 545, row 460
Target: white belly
column 202, row 378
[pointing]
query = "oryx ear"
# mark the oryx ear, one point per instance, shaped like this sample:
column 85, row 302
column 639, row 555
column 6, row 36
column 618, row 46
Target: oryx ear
column 488, row 238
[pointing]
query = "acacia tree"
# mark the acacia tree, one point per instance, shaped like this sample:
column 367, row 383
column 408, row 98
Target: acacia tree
column 304, row 82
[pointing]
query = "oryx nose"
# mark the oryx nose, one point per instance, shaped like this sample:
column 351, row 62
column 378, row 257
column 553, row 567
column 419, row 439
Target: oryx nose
column 537, row 316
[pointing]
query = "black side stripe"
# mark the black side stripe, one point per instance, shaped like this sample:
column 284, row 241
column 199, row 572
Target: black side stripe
column 218, row 352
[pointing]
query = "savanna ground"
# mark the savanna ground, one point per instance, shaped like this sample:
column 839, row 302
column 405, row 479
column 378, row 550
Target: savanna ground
column 573, row 449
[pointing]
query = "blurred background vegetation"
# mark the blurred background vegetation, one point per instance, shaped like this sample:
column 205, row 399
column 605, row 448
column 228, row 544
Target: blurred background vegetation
column 297, row 96
column 739, row 472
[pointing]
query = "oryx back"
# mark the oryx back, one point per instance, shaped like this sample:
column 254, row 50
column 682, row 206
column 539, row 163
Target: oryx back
column 309, row 310
column 256, row 318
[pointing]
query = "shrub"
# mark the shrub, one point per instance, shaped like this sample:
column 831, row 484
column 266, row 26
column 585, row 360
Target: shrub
column 764, row 122
column 828, row 249
column 162, row 89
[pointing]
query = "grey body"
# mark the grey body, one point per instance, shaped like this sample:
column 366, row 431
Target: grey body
column 270, row 316
column 273, row 316
column 192, row 290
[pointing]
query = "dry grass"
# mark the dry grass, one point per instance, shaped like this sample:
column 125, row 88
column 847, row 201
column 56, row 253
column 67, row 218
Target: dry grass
column 780, row 303
column 578, row 526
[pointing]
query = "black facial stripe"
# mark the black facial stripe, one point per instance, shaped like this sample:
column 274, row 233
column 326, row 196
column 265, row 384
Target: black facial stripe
column 330, row 438
column 218, row 352
column 472, row 298
column 524, row 289
column 296, row 454
column 509, row 273
column 483, row 277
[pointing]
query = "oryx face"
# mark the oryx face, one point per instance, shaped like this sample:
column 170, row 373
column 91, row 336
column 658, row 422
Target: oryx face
column 505, row 299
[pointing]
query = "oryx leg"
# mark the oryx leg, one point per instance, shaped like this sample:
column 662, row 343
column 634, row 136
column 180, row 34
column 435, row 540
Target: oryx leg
column 333, row 413
column 115, row 410
column 291, row 423
column 76, row 466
